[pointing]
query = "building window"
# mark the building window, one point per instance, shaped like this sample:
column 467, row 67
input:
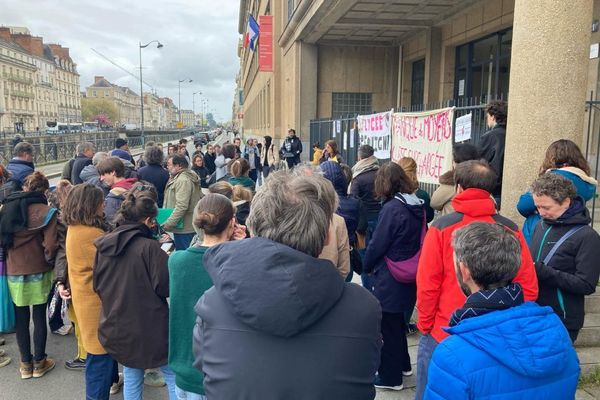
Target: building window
column 94, row 93
column 344, row 104
column 417, row 88
column 290, row 10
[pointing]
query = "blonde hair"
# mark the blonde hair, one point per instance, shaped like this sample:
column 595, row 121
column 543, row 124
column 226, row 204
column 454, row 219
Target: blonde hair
column 409, row 166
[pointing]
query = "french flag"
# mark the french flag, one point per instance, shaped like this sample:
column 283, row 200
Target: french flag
column 252, row 33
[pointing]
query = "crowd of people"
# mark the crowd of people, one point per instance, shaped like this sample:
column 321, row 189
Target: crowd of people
column 228, row 273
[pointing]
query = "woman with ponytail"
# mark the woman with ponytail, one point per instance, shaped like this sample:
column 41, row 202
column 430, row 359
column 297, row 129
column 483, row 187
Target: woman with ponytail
column 188, row 280
column 132, row 281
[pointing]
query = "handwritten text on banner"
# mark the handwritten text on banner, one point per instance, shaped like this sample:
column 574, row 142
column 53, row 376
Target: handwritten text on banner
column 375, row 130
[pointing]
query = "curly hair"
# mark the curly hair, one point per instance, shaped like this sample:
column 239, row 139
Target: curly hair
column 564, row 153
column 36, row 182
column 555, row 186
column 498, row 110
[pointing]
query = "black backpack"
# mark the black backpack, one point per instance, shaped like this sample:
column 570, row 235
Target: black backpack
column 9, row 187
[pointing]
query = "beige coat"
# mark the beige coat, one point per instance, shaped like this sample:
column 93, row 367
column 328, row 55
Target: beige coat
column 441, row 200
column 338, row 249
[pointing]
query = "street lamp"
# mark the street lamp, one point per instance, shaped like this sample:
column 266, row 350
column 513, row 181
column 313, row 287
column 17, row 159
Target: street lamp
column 143, row 46
column 182, row 80
column 194, row 105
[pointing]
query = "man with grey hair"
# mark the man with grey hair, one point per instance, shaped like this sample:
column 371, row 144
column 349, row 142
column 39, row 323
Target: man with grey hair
column 89, row 174
column 85, row 152
column 500, row 346
column 279, row 322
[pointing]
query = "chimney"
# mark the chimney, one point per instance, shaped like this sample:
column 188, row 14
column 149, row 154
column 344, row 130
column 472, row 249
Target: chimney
column 23, row 40
column 37, row 46
column 5, row 34
column 97, row 79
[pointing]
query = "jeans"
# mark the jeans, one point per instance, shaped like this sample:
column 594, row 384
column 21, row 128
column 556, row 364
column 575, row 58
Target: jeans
column 40, row 332
column 253, row 174
column 133, row 385
column 183, row 395
column 427, row 345
column 100, row 371
column 182, row 240
column 394, row 353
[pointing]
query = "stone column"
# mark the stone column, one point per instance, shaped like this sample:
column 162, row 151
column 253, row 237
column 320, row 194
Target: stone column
column 548, row 73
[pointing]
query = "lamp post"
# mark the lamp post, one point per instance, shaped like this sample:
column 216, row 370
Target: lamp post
column 182, row 80
column 194, row 105
column 143, row 46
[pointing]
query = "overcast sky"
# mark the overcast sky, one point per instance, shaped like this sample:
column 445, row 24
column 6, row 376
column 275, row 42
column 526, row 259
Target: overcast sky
column 199, row 36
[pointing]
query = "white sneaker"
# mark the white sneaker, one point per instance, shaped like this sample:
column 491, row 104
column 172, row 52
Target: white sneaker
column 396, row 388
column 116, row 387
column 63, row 330
column 407, row 373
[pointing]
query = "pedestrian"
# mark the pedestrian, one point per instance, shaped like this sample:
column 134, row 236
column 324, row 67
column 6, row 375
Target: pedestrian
column 269, row 156
column 317, row 153
column 125, row 157
column 223, row 161
column 252, row 156
column 198, row 146
column 285, row 305
column 85, row 152
column 441, row 199
column 291, row 149
column 112, row 171
column 142, row 160
column 240, row 170
column 259, row 166
column 239, row 195
column 237, row 142
column 182, row 193
column 182, row 151
column 566, row 250
column 209, row 158
column 499, row 346
column 188, row 280
column 154, row 173
column 29, row 232
column 83, row 214
column 89, row 174
column 396, row 244
column 438, row 294
column 409, row 166
column 492, row 143
column 563, row 157
column 331, row 152
column 200, row 170
column 21, row 165
column 134, row 310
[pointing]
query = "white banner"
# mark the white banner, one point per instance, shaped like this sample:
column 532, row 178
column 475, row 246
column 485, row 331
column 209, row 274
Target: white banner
column 427, row 138
column 375, row 130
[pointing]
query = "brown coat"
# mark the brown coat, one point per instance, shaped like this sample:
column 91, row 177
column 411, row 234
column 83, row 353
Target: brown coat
column 80, row 263
column 34, row 248
column 338, row 249
column 441, row 199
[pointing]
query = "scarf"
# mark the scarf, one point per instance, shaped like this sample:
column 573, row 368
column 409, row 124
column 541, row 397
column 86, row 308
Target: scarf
column 364, row 165
column 487, row 301
column 14, row 214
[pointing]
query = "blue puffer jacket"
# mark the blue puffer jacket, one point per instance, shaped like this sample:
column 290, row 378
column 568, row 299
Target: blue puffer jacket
column 584, row 184
column 520, row 353
column 19, row 169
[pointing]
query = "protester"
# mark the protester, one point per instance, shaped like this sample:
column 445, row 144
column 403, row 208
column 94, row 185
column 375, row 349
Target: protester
column 209, row 159
column 285, row 306
column 499, row 346
column 142, row 160
column 188, row 280
column 438, row 294
column 395, row 243
column 29, row 232
column 252, row 155
column 124, row 255
column 183, row 144
column 21, row 165
column 129, row 168
column 409, row 166
column 240, row 170
column 493, row 142
column 237, row 142
column 441, row 199
column 317, row 153
column 111, row 173
column 85, row 152
column 154, row 173
column 83, row 214
column 239, row 195
column 269, row 156
column 563, row 157
column 331, row 152
column 89, row 174
column 182, row 151
column 566, row 250
column 200, row 170
column 198, row 151
column 291, row 149
column 182, row 193
column 223, row 161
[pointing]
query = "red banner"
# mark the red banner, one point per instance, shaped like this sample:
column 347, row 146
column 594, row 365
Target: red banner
column 265, row 43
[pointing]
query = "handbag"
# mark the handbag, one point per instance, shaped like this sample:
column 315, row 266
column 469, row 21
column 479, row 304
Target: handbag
column 7, row 308
column 57, row 305
column 405, row 271
column 356, row 263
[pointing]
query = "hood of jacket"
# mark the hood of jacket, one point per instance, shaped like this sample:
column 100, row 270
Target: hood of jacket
column 447, row 178
column 474, row 203
column 576, row 214
column 333, row 172
column 527, row 339
column 283, row 294
column 584, row 184
column 114, row 243
column 88, row 172
column 413, row 204
column 19, row 169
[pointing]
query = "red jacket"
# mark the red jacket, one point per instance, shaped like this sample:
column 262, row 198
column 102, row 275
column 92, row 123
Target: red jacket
column 438, row 293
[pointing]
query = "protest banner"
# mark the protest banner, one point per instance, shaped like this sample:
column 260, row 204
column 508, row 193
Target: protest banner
column 462, row 130
column 426, row 137
column 375, row 130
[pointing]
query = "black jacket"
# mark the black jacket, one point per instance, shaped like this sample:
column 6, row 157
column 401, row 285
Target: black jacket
column 209, row 162
column 287, row 327
column 131, row 278
column 573, row 270
column 156, row 175
column 363, row 187
column 79, row 163
column 492, row 150
column 291, row 148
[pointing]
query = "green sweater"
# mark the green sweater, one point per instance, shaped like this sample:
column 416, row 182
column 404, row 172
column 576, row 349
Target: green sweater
column 244, row 181
column 188, row 280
